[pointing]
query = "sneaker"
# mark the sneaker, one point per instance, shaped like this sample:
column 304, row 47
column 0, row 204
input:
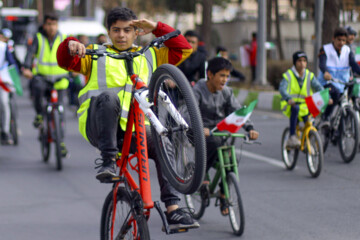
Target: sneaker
column 38, row 120
column 293, row 141
column 64, row 151
column 181, row 218
column 107, row 169
column 5, row 139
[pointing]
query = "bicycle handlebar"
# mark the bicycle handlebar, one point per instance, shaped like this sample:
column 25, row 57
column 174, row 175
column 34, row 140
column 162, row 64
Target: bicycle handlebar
column 347, row 84
column 125, row 55
column 235, row 135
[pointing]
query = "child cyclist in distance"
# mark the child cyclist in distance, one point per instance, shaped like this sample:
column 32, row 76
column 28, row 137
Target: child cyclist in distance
column 297, row 83
column 103, row 105
column 217, row 101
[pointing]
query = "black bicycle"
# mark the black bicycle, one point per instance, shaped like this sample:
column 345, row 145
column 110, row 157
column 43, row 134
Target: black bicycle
column 51, row 130
column 343, row 128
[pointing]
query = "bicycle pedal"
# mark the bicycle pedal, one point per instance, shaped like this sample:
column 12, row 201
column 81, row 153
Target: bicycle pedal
column 180, row 230
column 112, row 179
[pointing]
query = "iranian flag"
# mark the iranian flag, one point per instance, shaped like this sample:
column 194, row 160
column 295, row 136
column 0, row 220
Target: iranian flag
column 357, row 55
column 237, row 119
column 318, row 102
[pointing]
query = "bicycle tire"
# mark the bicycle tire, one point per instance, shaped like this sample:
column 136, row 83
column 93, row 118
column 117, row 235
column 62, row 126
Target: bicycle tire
column 315, row 160
column 235, row 205
column 196, row 204
column 324, row 132
column 289, row 155
column 344, row 130
column 183, row 165
column 44, row 144
column 57, row 138
column 123, row 201
column 13, row 122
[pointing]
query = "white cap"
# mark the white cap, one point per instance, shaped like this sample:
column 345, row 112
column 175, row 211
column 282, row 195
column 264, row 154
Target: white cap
column 7, row 32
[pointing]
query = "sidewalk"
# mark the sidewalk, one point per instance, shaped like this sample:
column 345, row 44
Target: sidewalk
column 267, row 100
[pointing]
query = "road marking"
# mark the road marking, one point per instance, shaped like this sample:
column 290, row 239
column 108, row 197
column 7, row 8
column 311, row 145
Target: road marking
column 255, row 156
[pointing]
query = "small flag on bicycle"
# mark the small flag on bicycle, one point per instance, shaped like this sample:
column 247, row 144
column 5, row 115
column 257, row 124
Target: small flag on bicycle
column 237, row 119
column 317, row 102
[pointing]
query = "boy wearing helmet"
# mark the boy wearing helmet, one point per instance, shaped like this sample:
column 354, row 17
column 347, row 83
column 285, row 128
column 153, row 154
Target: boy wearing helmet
column 297, row 83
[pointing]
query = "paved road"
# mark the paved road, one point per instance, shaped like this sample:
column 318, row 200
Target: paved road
column 37, row 202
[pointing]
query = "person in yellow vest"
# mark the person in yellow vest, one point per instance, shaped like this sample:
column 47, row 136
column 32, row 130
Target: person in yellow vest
column 104, row 101
column 297, row 83
column 43, row 49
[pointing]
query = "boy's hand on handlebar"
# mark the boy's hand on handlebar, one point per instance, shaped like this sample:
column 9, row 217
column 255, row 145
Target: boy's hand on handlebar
column 27, row 73
column 291, row 102
column 207, row 132
column 253, row 135
column 331, row 101
column 327, row 76
column 76, row 48
column 147, row 26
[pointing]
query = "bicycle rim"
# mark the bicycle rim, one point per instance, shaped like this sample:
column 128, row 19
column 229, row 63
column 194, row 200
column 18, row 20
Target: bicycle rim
column 57, row 139
column 137, row 227
column 315, row 158
column 349, row 135
column 182, row 152
column 289, row 155
column 236, row 211
column 325, row 134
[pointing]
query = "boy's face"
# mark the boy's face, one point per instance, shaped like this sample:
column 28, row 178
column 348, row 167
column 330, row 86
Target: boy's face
column 218, row 80
column 350, row 38
column 50, row 27
column 122, row 34
column 193, row 41
column 301, row 64
column 339, row 42
column 224, row 54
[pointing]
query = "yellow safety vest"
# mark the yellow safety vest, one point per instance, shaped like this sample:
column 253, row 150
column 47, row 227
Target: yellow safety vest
column 47, row 63
column 108, row 74
column 297, row 94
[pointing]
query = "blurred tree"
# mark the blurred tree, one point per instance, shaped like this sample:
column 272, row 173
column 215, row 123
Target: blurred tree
column 278, row 31
column 330, row 20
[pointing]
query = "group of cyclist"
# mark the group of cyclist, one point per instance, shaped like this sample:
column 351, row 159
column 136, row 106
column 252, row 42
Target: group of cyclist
column 105, row 99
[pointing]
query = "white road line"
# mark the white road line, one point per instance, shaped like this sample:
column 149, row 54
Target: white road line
column 255, row 156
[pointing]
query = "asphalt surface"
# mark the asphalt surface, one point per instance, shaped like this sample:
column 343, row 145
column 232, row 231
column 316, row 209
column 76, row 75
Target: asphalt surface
column 38, row 202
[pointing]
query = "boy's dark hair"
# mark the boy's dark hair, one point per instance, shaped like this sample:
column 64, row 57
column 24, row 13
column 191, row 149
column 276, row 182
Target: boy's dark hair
column 191, row 33
column 339, row 32
column 119, row 13
column 220, row 49
column 351, row 31
column 52, row 16
column 217, row 64
column 254, row 34
column 297, row 55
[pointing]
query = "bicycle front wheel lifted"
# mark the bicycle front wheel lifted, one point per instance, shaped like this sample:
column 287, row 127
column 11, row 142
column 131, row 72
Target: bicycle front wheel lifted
column 182, row 151
column 126, row 225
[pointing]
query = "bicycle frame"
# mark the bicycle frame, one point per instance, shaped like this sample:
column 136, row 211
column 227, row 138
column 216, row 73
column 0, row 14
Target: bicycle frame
column 226, row 163
column 303, row 133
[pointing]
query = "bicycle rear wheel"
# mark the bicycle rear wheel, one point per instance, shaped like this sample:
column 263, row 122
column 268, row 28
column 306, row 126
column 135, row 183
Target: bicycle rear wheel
column 13, row 122
column 236, row 211
column 44, row 143
column 196, row 204
column 316, row 158
column 324, row 131
column 57, row 138
column 289, row 155
column 126, row 225
column 349, row 135
column 182, row 152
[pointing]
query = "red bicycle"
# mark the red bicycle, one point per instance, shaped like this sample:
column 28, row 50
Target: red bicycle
column 170, row 106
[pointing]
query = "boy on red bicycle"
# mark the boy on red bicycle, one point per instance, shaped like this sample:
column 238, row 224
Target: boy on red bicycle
column 105, row 99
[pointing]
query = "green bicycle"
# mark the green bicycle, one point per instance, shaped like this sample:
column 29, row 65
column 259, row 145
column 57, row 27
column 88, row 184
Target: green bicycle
column 227, row 171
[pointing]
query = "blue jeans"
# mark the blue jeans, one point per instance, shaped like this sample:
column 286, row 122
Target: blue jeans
column 294, row 118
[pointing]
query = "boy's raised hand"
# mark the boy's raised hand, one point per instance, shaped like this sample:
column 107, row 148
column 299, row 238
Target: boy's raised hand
column 147, row 26
column 76, row 48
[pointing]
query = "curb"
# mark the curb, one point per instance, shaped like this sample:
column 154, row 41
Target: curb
column 266, row 100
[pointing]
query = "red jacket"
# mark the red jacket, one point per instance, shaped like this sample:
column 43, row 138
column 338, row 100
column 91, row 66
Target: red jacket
column 252, row 51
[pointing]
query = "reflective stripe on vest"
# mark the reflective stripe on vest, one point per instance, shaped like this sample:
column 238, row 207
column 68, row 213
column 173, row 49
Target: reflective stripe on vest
column 47, row 63
column 110, row 74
